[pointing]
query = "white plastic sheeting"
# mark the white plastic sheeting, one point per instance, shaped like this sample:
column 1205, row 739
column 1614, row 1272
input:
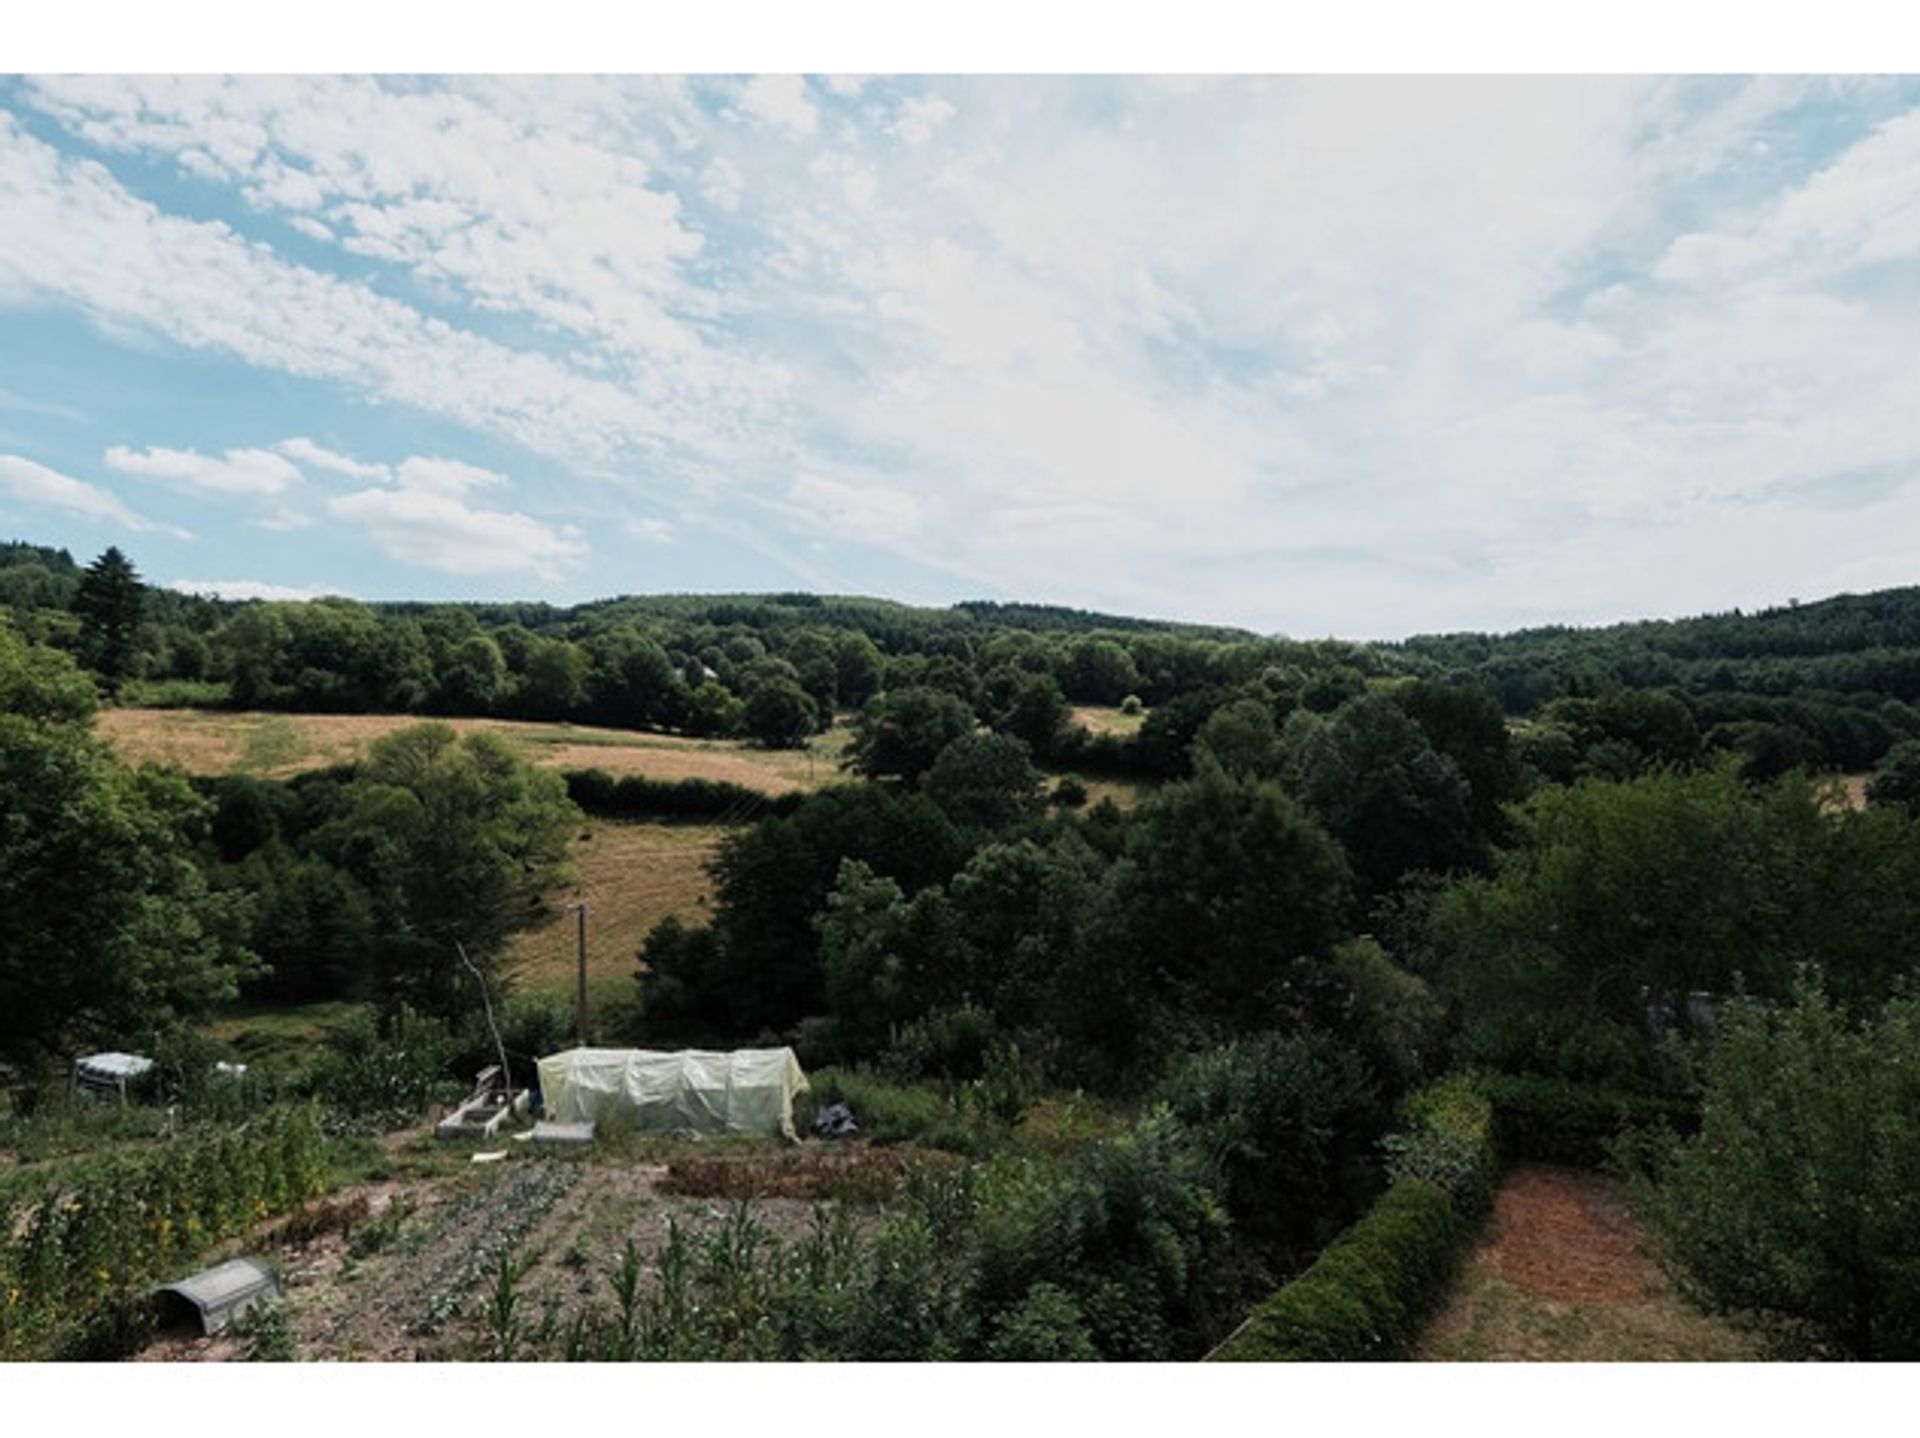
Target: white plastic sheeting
column 748, row 1091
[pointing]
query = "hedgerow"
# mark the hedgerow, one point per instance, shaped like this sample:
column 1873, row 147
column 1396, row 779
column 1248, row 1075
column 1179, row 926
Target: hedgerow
column 1552, row 1120
column 1370, row 1293
column 634, row 796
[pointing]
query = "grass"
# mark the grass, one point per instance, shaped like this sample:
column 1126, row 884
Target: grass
column 1103, row 719
column 271, row 1031
column 631, row 877
column 280, row 745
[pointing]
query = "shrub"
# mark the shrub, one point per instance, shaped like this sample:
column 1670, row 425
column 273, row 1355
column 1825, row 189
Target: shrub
column 1799, row 1201
column 892, row 1112
column 374, row 1076
column 1047, row 1328
column 1290, row 1121
column 1577, row 1048
column 1369, row 1294
column 1547, row 1120
column 1446, row 1138
column 1125, row 1228
column 531, row 1026
column 951, row 1045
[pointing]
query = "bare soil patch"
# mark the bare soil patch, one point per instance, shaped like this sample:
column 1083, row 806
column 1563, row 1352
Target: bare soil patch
column 397, row 1271
column 1567, row 1274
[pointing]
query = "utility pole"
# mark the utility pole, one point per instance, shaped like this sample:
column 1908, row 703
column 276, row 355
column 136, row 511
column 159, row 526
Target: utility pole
column 580, row 989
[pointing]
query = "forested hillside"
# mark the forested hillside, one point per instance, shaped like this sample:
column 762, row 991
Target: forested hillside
column 1382, row 917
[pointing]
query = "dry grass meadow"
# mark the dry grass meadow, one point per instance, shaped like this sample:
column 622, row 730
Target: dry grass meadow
column 277, row 746
column 631, row 876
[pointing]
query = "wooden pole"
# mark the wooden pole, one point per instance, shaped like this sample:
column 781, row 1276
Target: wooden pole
column 580, row 988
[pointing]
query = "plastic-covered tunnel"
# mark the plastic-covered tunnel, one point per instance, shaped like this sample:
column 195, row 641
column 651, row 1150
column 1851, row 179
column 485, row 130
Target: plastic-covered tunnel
column 691, row 1091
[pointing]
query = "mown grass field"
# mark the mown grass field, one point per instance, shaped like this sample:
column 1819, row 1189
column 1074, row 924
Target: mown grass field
column 277, row 746
column 631, row 876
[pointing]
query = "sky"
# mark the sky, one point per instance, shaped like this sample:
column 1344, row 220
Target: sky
column 1311, row 356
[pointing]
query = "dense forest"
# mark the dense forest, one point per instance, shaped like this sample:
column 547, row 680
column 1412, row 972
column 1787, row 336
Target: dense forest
column 1586, row 887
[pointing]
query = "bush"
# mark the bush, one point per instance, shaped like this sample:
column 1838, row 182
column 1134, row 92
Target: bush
column 1545, row 1120
column 951, row 1045
column 175, row 694
column 372, row 1076
column 1370, row 1293
column 531, row 1026
column 892, row 1112
column 1290, row 1121
column 1446, row 1138
column 1126, row 1229
column 1047, row 1328
column 1068, row 793
column 1799, row 1201
column 1577, row 1048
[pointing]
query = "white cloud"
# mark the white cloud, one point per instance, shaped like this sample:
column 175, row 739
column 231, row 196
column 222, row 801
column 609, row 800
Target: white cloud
column 920, row 117
column 781, row 100
column 238, row 471
column 1322, row 354
column 425, row 520
column 446, row 476
column 33, row 483
column 872, row 513
column 316, row 456
column 656, row 531
column 253, row 589
column 70, row 232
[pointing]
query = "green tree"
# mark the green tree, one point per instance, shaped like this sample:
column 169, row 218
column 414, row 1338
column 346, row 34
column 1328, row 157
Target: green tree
column 1799, row 1200
column 42, row 684
column 471, row 677
column 1392, row 800
column 985, row 781
column 1240, row 738
column 455, row 840
column 553, row 682
column 1227, row 884
column 1035, row 712
column 779, row 714
column 901, row 732
column 1465, row 723
column 111, row 602
column 110, row 932
column 857, row 667
column 759, row 967
column 1618, row 900
column 1897, row 780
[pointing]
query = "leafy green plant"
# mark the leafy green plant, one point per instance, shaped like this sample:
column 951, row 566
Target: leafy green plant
column 1799, row 1200
column 1368, row 1295
column 268, row 1335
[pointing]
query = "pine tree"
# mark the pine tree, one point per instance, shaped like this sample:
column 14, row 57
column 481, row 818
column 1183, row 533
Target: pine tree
column 110, row 602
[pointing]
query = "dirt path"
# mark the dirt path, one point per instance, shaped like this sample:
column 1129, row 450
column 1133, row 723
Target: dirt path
column 1566, row 1274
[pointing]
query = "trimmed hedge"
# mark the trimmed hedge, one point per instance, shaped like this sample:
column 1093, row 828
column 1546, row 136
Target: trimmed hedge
column 634, row 796
column 1551, row 1120
column 1369, row 1295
